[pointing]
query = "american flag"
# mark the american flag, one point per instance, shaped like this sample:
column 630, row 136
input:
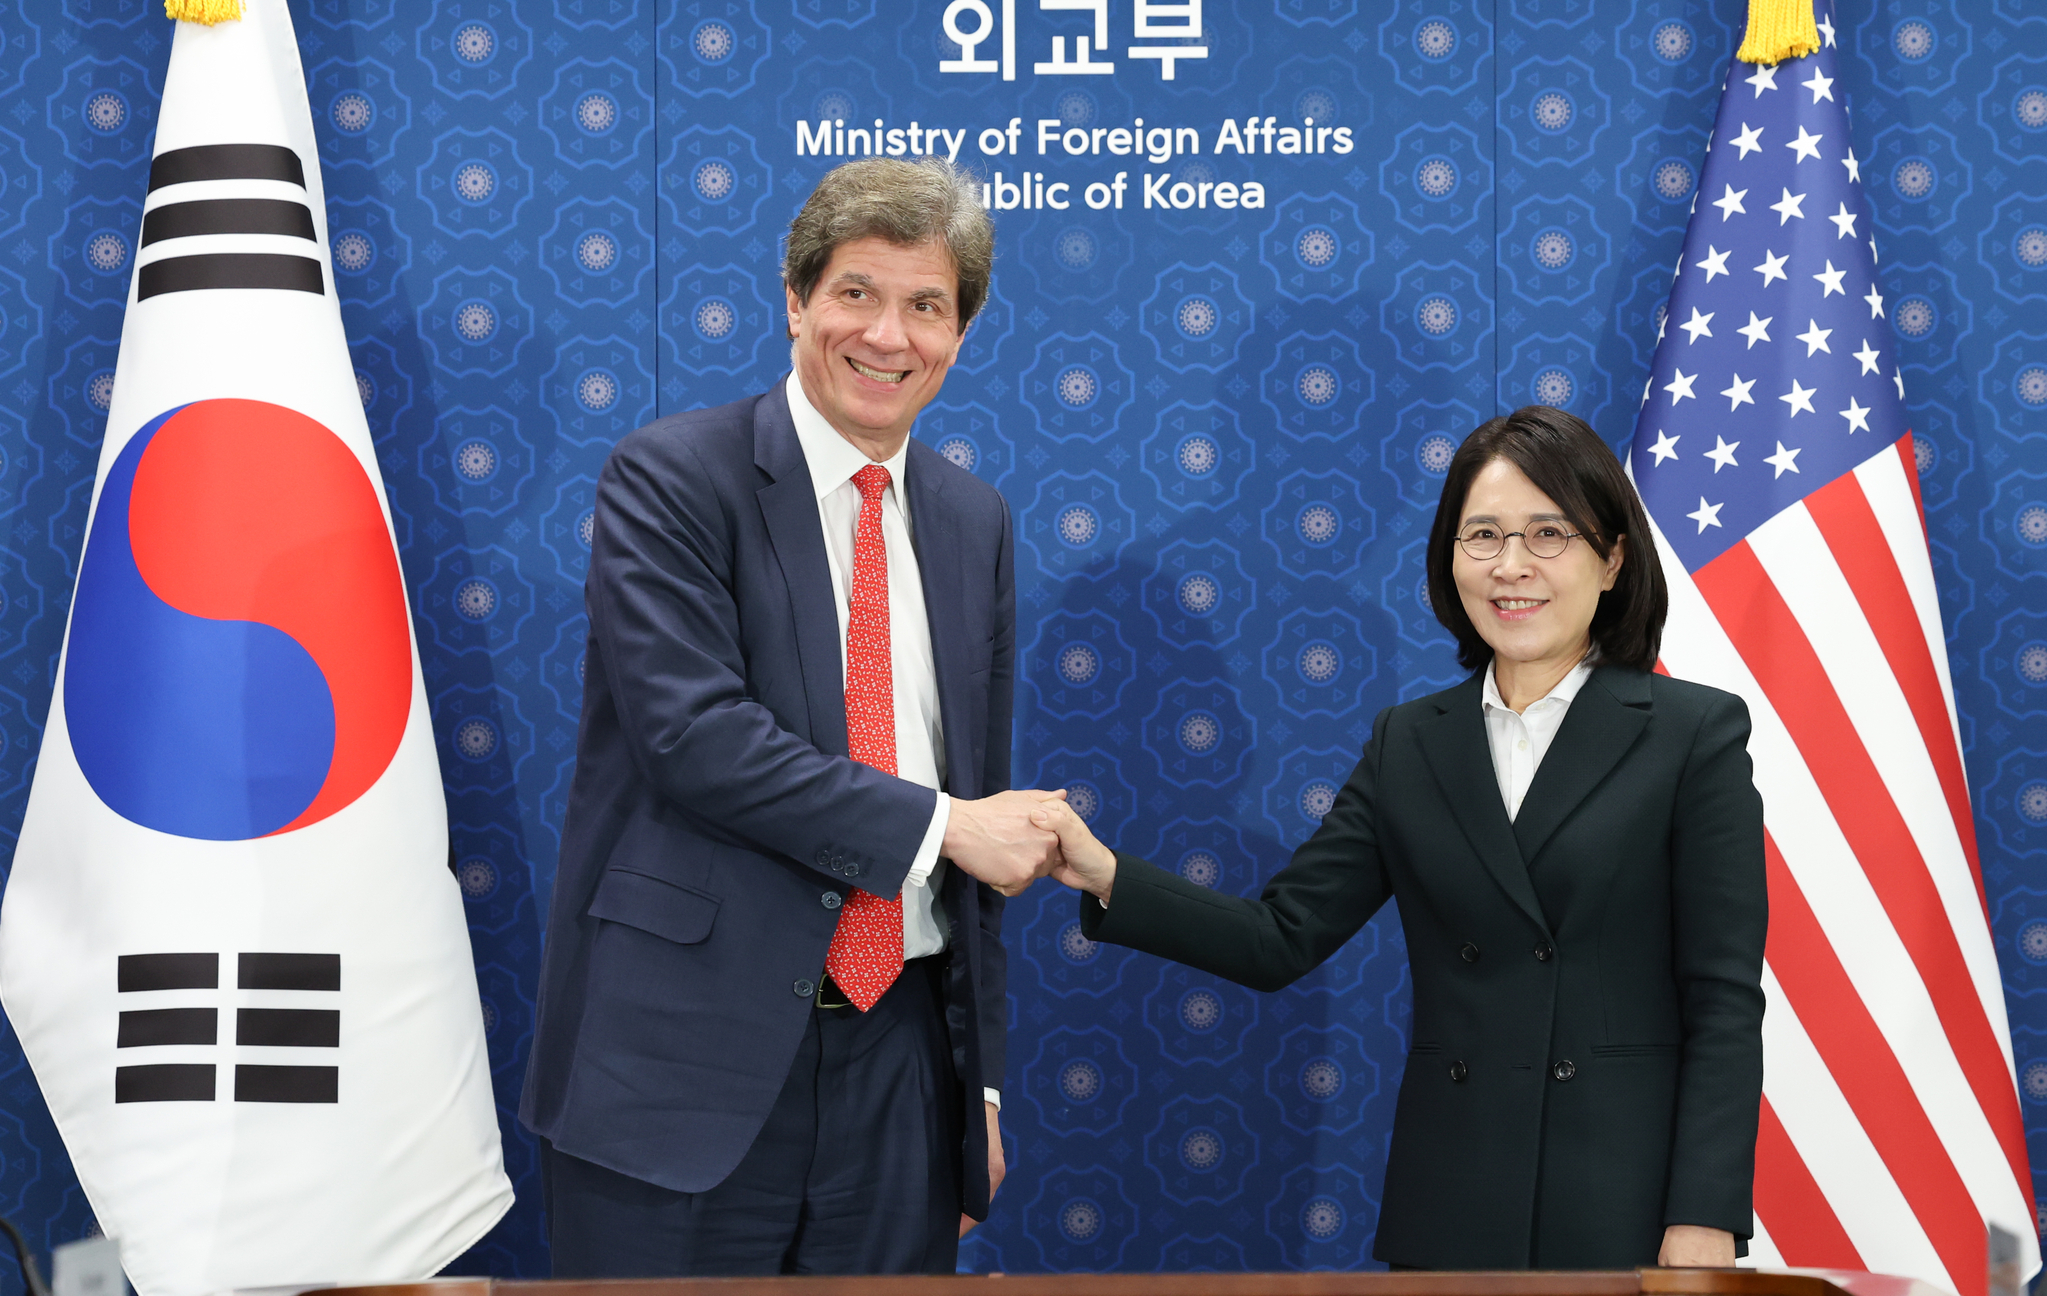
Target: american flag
column 1775, row 454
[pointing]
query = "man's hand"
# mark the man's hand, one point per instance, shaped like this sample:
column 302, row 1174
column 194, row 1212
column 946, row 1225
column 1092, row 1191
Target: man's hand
column 1085, row 864
column 996, row 1168
column 994, row 840
column 1687, row 1246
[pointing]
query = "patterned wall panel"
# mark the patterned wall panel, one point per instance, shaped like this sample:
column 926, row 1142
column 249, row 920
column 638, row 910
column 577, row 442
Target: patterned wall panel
column 1221, row 430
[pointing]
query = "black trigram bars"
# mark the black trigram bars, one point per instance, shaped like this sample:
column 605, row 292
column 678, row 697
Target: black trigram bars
column 254, row 1028
column 194, row 271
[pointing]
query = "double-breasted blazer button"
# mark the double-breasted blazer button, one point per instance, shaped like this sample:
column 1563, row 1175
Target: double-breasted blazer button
column 804, row 989
column 831, row 899
column 1544, row 951
column 1458, row 1072
column 1564, row 1070
column 1469, row 952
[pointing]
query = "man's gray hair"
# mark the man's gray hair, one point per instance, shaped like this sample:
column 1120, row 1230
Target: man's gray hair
column 909, row 204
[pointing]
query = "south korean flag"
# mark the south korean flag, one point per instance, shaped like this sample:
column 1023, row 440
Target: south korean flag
column 230, row 944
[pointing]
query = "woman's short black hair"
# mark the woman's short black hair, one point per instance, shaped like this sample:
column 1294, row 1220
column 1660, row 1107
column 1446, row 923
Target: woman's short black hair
column 1568, row 462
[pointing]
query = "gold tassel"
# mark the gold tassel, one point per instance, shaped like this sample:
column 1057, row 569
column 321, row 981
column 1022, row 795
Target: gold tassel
column 208, row 12
column 1779, row 30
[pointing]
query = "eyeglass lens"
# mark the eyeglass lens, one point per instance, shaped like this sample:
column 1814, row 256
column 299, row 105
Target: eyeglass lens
column 1483, row 542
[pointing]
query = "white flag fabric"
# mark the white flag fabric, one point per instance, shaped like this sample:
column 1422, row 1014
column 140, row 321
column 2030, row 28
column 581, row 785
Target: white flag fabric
column 230, row 943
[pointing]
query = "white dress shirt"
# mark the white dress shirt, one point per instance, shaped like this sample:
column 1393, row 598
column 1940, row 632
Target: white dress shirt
column 920, row 738
column 1520, row 740
column 920, row 734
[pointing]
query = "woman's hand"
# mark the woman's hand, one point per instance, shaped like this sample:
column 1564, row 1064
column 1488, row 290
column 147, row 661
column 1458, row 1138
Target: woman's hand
column 1694, row 1246
column 1087, row 865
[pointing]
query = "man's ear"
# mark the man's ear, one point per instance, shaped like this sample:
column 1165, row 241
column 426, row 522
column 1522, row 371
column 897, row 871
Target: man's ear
column 794, row 328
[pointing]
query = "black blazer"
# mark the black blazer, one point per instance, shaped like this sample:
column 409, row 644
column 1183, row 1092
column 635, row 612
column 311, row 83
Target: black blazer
column 1587, row 1057
column 716, row 823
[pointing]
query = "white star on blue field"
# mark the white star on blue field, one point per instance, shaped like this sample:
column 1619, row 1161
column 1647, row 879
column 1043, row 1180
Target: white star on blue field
column 1776, row 370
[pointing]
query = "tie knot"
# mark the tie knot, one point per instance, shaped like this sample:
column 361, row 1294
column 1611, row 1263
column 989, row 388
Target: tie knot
column 872, row 481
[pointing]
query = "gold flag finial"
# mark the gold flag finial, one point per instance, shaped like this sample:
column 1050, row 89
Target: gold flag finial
column 1777, row 30
column 208, row 12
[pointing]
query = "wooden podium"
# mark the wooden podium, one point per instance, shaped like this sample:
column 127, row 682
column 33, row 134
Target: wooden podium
column 1624, row 1282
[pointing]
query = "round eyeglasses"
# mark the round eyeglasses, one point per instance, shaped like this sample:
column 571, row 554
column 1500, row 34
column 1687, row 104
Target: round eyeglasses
column 1483, row 542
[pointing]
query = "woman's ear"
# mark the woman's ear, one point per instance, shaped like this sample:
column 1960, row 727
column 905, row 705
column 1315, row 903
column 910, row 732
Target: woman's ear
column 1614, row 560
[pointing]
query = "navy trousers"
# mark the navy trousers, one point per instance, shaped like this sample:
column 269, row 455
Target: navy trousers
column 857, row 1170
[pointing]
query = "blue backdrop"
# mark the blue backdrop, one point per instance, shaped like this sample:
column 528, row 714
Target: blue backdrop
column 1222, row 432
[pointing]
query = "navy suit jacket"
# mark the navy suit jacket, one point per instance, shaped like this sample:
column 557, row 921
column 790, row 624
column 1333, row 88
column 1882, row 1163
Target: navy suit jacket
column 716, row 821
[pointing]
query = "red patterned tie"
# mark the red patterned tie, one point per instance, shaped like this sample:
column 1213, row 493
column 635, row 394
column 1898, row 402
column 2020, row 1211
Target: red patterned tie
column 867, row 949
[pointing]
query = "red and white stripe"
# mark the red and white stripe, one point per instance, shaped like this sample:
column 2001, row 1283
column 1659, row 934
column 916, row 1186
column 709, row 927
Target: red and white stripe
column 1891, row 1129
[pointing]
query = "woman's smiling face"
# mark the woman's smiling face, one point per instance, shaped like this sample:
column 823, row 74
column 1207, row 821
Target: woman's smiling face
column 1529, row 610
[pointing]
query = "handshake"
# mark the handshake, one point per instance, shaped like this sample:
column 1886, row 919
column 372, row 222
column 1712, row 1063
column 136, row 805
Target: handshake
column 1012, row 839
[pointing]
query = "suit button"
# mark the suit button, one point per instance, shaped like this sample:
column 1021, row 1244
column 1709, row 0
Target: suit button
column 804, row 989
column 1544, row 951
column 1470, row 952
column 824, row 859
column 1458, row 1072
column 831, row 899
column 852, row 870
column 1564, row 1070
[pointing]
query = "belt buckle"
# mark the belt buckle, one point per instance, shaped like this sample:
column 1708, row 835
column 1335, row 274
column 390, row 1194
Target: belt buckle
column 825, row 982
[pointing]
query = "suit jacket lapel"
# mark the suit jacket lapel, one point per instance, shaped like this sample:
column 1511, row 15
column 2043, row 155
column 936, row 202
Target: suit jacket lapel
column 1454, row 742
column 789, row 508
column 1604, row 721
column 934, row 534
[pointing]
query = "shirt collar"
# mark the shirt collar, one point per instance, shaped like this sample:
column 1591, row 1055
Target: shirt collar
column 1565, row 692
column 831, row 458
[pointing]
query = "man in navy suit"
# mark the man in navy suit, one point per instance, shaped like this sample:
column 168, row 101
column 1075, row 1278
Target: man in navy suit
column 770, row 1028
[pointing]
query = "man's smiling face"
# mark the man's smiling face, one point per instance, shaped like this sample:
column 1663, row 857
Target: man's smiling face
column 874, row 341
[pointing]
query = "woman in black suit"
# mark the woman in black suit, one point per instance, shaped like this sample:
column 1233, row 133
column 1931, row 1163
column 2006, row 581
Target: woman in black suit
column 1576, row 846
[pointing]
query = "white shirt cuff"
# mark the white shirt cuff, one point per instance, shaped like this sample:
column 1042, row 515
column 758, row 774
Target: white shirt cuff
column 994, row 1098
column 934, row 837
